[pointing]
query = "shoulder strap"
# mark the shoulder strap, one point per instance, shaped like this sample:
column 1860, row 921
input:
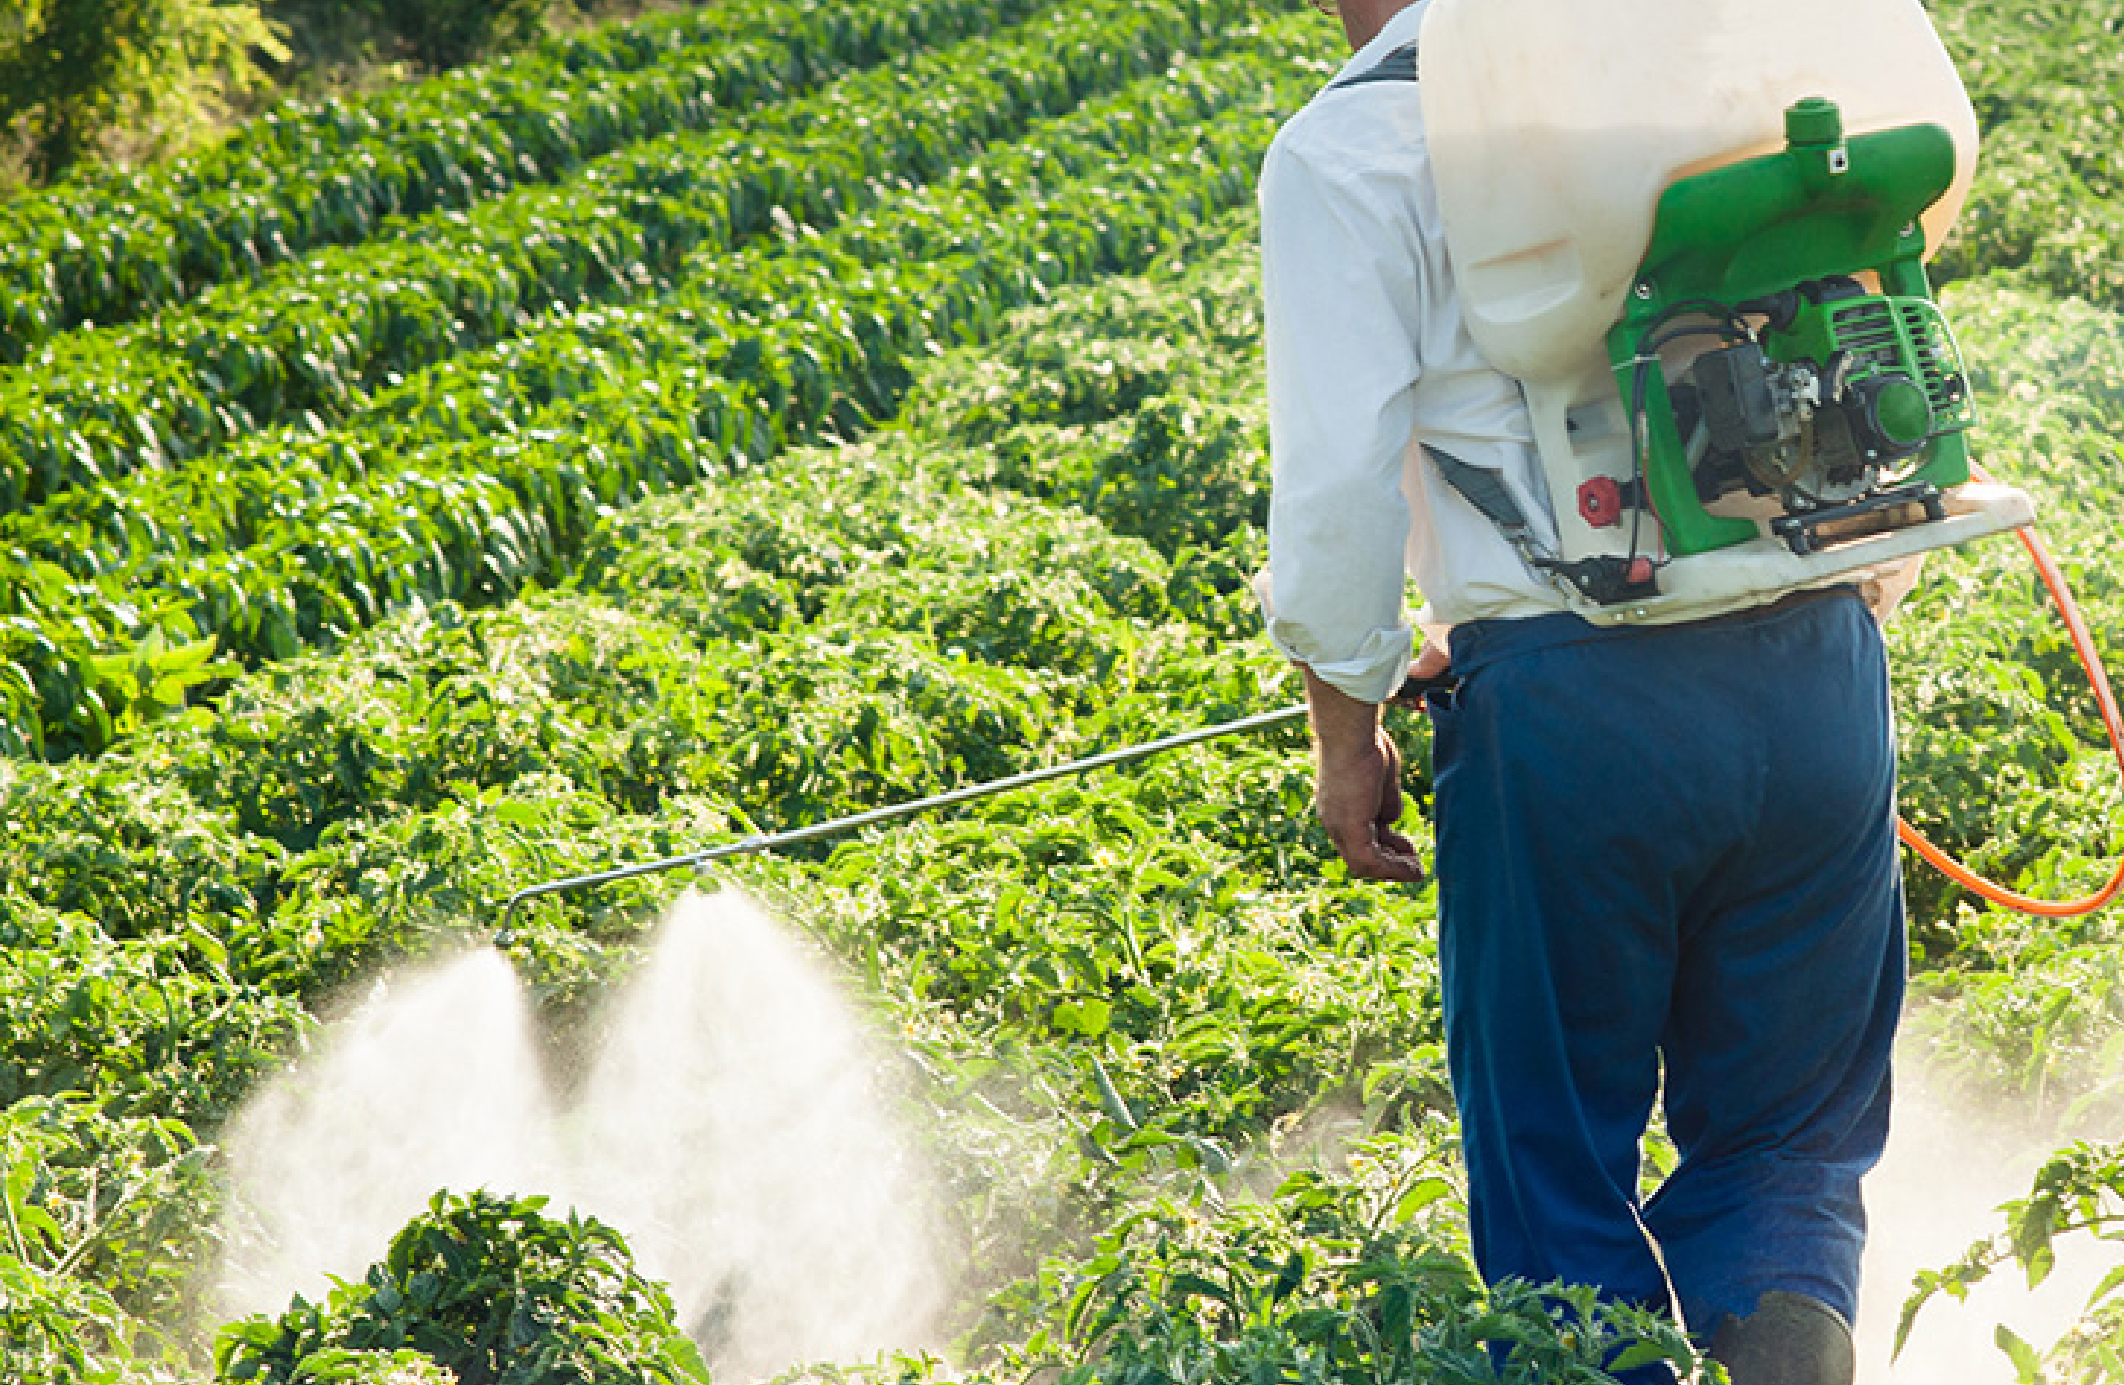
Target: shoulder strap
column 1397, row 66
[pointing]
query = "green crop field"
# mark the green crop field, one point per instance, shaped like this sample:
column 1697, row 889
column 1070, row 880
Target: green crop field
column 745, row 416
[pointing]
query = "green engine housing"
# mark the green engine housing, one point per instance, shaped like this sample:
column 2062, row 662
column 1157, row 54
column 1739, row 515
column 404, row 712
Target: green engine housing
column 1833, row 387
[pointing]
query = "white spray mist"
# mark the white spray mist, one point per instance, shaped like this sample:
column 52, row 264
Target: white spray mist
column 730, row 1126
column 1947, row 1170
column 431, row 1082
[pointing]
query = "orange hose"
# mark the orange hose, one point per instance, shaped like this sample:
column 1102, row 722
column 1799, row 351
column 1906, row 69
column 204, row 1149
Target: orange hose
column 2105, row 696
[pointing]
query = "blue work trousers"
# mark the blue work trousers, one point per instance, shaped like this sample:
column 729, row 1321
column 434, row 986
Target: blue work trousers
column 1668, row 871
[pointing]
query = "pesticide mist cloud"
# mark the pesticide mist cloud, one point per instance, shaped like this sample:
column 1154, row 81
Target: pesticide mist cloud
column 730, row 1127
column 1938, row 1189
column 432, row 1082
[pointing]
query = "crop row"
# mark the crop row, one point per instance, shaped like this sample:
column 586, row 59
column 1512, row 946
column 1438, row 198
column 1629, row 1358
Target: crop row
column 488, row 391
column 2048, row 199
column 171, row 909
column 1149, row 969
column 1134, row 997
column 287, row 183
column 92, row 406
column 300, row 540
column 1152, row 961
column 797, row 642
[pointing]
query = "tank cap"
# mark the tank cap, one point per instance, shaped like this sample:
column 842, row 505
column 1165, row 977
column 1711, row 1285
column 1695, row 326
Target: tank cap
column 1814, row 120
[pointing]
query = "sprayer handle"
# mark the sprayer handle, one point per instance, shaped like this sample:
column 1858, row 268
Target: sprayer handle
column 1412, row 691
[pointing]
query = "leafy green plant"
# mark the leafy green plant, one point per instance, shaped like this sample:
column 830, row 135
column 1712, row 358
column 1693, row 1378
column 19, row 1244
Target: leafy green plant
column 94, row 1220
column 314, row 339
column 341, row 1366
column 2049, row 189
column 71, row 69
column 735, row 371
column 2041, row 1022
column 1353, row 1279
column 450, row 32
column 110, row 248
column 152, row 1025
column 788, row 513
column 2078, row 1193
column 493, row 1290
column 59, row 1329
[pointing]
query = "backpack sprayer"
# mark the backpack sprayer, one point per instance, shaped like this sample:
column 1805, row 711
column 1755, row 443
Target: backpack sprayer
column 1696, row 235
column 1739, row 381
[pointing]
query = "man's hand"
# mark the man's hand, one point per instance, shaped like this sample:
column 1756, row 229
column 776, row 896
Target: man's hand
column 1431, row 661
column 1358, row 785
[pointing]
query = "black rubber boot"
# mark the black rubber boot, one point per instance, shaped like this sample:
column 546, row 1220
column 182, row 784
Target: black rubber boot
column 1789, row 1339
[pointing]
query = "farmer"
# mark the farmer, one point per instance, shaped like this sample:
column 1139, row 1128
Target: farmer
column 1666, row 857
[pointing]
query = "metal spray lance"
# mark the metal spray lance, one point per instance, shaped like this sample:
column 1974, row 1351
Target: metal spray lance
column 1411, row 693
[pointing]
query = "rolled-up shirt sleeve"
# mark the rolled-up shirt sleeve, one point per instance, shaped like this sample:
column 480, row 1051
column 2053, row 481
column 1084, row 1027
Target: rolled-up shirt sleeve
column 1343, row 292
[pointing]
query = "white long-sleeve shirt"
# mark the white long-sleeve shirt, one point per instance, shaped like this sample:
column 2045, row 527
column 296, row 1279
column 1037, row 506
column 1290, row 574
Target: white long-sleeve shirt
column 1368, row 352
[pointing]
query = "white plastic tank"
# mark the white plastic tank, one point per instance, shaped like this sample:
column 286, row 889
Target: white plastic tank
column 1555, row 124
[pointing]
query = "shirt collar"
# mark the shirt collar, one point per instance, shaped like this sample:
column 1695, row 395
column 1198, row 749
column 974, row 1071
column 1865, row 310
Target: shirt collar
column 1400, row 29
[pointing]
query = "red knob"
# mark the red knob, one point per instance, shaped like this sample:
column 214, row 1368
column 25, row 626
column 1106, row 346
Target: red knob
column 1600, row 502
